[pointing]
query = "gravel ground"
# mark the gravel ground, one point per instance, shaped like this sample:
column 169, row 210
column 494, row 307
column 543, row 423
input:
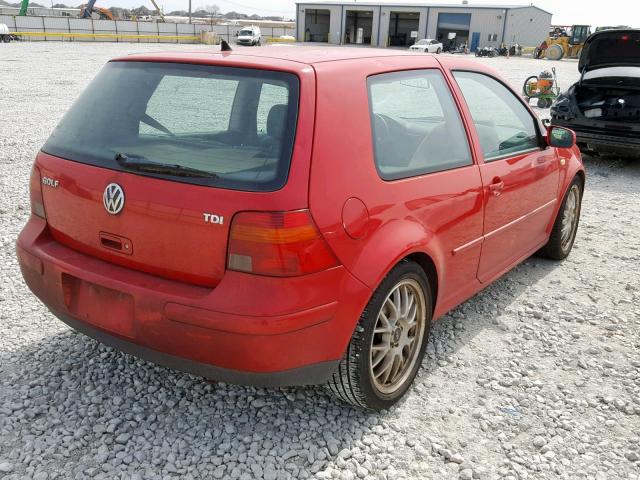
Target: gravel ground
column 537, row 377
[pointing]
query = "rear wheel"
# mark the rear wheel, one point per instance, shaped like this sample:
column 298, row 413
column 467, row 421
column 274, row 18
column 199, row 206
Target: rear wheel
column 566, row 225
column 388, row 344
column 439, row 51
column 544, row 102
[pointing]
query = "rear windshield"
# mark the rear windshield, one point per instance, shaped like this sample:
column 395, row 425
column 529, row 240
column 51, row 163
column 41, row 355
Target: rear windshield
column 236, row 126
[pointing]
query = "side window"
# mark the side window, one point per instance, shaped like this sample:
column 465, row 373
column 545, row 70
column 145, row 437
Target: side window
column 503, row 124
column 415, row 124
column 207, row 100
column 271, row 95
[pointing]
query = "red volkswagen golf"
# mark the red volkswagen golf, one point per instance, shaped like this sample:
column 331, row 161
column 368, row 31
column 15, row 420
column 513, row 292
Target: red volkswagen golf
column 291, row 215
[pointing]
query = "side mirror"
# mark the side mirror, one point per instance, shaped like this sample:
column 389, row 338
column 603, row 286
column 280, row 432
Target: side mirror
column 561, row 137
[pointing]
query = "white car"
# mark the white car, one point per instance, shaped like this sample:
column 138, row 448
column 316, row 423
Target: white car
column 426, row 45
column 249, row 36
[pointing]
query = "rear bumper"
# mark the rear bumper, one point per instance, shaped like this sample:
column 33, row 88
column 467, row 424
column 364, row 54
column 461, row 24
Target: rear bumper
column 594, row 137
column 313, row 374
column 248, row 330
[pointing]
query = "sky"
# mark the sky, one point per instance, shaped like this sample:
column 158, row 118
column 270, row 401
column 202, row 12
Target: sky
column 565, row 12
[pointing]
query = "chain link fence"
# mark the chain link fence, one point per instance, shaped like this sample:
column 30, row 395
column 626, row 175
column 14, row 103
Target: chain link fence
column 35, row 28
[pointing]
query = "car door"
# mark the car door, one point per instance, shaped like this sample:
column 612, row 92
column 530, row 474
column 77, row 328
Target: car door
column 410, row 165
column 519, row 173
column 421, row 151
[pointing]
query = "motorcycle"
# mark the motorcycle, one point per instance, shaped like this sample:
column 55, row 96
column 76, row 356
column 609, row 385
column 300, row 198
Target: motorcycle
column 486, row 52
column 460, row 49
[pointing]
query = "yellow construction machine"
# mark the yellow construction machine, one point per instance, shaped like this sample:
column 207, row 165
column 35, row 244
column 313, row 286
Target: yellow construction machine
column 563, row 42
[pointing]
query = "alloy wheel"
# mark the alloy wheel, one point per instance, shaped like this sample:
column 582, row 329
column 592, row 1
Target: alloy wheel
column 570, row 216
column 397, row 336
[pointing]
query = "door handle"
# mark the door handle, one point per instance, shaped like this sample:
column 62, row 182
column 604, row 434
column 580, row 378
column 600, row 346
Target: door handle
column 496, row 186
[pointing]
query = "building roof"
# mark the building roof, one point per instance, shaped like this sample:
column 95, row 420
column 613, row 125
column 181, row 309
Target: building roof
column 419, row 4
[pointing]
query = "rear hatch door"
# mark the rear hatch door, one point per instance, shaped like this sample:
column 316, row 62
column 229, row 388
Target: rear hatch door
column 609, row 48
column 154, row 160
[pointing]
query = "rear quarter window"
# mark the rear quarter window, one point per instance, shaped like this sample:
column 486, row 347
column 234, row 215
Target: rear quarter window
column 415, row 124
column 235, row 125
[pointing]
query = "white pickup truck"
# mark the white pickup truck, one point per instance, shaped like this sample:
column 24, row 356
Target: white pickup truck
column 5, row 34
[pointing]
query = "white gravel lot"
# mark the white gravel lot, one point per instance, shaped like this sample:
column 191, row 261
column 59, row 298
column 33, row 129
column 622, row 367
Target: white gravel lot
column 537, row 377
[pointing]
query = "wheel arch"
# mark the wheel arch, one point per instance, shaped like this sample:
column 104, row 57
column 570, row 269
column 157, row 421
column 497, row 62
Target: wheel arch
column 429, row 267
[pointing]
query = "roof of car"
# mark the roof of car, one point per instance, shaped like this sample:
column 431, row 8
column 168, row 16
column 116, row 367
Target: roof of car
column 294, row 53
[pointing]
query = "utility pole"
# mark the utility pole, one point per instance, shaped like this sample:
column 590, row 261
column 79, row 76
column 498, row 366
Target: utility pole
column 189, row 11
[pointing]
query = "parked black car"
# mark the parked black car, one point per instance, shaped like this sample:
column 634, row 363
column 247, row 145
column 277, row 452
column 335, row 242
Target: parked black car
column 603, row 108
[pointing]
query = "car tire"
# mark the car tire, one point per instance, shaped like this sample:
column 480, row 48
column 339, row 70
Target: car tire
column 565, row 226
column 439, row 51
column 378, row 383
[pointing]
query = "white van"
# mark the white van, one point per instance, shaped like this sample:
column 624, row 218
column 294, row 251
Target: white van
column 249, row 36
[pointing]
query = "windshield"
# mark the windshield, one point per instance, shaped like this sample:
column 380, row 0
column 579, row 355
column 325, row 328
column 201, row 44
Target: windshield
column 235, row 125
column 246, row 33
column 423, row 42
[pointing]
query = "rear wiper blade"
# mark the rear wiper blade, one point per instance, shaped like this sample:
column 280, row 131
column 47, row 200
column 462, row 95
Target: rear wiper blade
column 143, row 164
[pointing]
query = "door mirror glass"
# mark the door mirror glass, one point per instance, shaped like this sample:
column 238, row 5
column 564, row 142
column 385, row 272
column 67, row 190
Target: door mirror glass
column 561, row 137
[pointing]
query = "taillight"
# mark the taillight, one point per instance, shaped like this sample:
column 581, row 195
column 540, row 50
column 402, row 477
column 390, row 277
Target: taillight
column 35, row 193
column 281, row 244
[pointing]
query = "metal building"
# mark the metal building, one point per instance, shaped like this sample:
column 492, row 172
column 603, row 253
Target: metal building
column 385, row 24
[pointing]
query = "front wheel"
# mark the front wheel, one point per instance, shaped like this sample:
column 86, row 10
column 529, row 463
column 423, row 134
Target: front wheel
column 388, row 344
column 565, row 227
column 554, row 52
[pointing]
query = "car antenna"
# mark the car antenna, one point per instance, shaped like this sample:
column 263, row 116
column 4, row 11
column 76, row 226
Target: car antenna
column 224, row 46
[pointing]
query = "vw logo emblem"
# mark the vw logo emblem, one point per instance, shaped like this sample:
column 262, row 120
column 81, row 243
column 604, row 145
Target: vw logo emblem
column 113, row 198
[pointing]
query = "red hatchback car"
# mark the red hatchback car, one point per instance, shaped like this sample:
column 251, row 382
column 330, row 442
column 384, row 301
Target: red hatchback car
column 291, row 215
